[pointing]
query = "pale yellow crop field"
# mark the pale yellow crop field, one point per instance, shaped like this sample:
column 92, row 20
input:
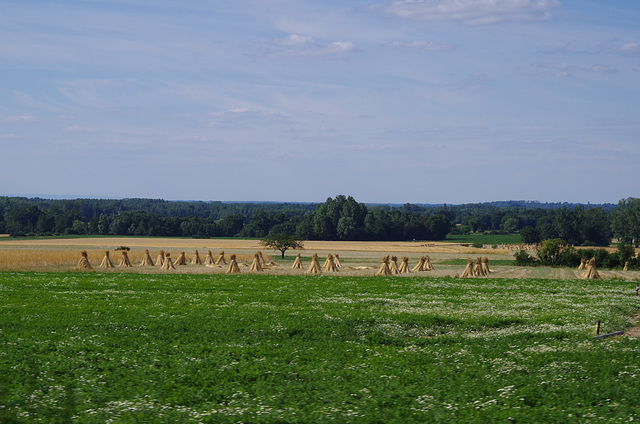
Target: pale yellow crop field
column 357, row 258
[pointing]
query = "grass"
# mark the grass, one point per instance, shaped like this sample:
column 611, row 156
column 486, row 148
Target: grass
column 132, row 348
column 486, row 239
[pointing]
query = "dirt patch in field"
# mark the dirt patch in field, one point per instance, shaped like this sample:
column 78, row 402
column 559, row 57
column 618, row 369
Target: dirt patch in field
column 635, row 330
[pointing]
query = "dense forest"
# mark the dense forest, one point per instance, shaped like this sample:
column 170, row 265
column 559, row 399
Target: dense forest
column 339, row 218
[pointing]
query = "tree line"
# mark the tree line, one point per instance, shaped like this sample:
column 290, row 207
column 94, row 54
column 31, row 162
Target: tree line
column 339, row 218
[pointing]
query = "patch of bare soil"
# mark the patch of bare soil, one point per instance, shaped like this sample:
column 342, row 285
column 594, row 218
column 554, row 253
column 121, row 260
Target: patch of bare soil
column 635, row 330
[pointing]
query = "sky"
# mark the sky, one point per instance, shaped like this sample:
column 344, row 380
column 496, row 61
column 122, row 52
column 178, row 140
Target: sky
column 410, row 101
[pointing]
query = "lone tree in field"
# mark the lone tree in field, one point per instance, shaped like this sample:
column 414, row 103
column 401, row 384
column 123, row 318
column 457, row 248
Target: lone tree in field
column 281, row 242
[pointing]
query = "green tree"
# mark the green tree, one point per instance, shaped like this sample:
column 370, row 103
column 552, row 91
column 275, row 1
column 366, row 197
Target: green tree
column 626, row 221
column 529, row 235
column 551, row 249
column 439, row 226
column 281, row 242
column 328, row 216
column 510, row 224
column 626, row 252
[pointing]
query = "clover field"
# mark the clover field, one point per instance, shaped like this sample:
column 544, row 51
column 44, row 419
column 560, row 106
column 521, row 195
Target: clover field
column 140, row 348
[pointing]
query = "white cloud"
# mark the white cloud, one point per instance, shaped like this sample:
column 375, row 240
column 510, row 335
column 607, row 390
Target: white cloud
column 79, row 129
column 301, row 46
column 471, row 12
column 631, row 48
column 297, row 40
column 244, row 116
column 21, row 118
column 421, row 45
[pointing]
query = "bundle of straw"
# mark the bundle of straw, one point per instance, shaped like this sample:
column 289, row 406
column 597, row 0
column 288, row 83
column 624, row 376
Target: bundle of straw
column 404, row 267
column 420, row 265
column 124, row 260
column 221, row 259
column 297, row 264
column 167, row 263
column 106, row 261
column 146, row 260
column 209, row 259
column 196, row 259
column 330, row 265
column 477, row 268
column 83, row 263
column 233, row 266
column 393, row 265
column 485, row 265
column 468, row 271
column 314, row 268
column 160, row 259
column 591, row 272
column 182, row 259
column 427, row 264
column 384, row 268
column 256, row 265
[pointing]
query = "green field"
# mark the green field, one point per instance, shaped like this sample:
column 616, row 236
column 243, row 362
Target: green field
column 486, row 239
column 129, row 348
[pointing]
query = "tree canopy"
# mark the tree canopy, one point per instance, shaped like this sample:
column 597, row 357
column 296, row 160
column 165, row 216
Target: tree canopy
column 339, row 218
column 281, row 242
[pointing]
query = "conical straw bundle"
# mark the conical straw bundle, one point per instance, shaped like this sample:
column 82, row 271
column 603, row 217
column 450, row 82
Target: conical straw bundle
column 477, row 268
column 256, row 265
column 221, row 260
column 83, row 263
column 106, row 261
column 404, row 267
column 591, row 272
column 468, row 271
column 314, row 268
column 427, row 264
column 384, row 268
column 297, row 264
column 208, row 260
column 393, row 265
column 330, row 264
column 583, row 264
column 336, row 260
column 485, row 265
column 182, row 259
column 168, row 262
column 146, row 260
column 160, row 258
column 124, row 260
column 196, row 259
column 626, row 266
column 233, row 265
column 420, row 265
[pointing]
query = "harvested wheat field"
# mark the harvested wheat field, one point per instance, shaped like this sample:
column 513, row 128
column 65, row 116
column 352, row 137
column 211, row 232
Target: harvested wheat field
column 357, row 258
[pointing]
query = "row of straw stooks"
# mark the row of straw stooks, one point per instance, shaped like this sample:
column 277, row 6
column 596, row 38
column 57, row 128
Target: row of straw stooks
column 331, row 264
column 389, row 264
column 166, row 262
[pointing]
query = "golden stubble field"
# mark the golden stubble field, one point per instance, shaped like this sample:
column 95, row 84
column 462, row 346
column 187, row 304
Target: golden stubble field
column 357, row 258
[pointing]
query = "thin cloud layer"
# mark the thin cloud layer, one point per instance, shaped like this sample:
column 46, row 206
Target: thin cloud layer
column 305, row 47
column 421, row 45
column 471, row 12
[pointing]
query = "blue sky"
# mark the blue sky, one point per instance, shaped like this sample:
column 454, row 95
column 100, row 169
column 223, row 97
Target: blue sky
column 420, row 101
